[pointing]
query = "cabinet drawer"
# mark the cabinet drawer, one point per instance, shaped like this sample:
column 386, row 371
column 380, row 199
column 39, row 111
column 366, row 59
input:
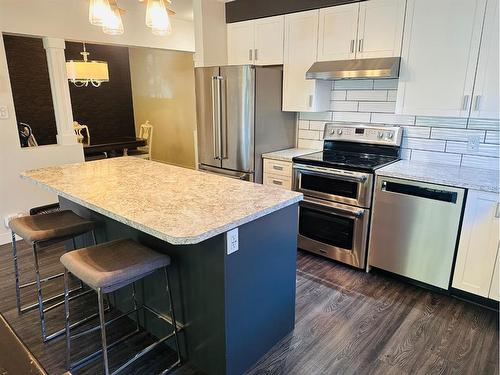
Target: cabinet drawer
column 278, row 180
column 282, row 168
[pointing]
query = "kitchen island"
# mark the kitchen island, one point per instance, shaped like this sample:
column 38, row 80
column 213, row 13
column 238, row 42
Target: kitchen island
column 232, row 307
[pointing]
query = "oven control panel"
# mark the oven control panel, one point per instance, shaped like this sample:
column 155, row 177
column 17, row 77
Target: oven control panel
column 387, row 135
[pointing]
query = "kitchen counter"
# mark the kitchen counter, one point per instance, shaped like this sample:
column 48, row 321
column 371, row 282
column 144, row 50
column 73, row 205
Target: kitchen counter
column 186, row 206
column 464, row 177
column 186, row 215
column 288, row 154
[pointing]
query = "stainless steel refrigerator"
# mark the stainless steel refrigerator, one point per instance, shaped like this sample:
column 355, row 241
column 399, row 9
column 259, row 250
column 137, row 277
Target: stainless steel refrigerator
column 239, row 118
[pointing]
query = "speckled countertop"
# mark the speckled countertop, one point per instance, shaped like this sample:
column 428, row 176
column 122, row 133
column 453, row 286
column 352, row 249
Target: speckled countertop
column 177, row 205
column 288, row 154
column 464, row 177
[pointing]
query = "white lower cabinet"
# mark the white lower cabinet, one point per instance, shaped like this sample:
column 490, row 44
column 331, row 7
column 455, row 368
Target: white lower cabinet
column 277, row 173
column 476, row 267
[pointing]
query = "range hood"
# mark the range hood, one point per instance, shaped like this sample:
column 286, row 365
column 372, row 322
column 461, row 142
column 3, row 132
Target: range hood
column 385, row 67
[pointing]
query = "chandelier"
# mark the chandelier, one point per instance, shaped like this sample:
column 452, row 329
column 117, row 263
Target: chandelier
column 107, row 14
column 84, row 72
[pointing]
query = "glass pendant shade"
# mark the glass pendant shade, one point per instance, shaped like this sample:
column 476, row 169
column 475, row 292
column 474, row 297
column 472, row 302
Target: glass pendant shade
column 157, row 17
column 113, row 24
column 98, row 11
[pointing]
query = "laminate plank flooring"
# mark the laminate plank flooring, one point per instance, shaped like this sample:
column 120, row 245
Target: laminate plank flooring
column 347, row 322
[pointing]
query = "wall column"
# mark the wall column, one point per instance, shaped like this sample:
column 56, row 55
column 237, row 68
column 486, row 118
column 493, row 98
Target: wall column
column 56, row 61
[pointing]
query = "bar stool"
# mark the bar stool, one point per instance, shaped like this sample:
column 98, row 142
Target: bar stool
column 39, row 231
column 106, row 268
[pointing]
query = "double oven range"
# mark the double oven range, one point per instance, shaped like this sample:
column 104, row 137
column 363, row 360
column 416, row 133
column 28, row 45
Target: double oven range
column 337, row 183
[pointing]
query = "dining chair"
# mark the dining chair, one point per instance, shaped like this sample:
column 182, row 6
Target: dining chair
column 79, row 128
column 145, row 132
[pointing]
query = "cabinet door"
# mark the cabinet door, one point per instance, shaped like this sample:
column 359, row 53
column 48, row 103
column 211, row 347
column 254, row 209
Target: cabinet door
column 240, row 43
column 440, row 50
column 337, row 32
column 486, row 97
column 495, row 282
column 301, row 41
column 269, row 40
column 477, row 249
column 380, row 29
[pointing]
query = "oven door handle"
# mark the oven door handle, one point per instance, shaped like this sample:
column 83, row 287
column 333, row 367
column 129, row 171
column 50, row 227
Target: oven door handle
column 315, row 172
column 333, row 208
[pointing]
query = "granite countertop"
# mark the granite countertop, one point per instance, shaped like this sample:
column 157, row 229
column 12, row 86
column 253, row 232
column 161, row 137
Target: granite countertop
column 177, row 205
column 464, row 177
column 288, row 154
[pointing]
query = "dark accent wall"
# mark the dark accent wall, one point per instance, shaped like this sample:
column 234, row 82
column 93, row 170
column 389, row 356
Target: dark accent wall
column 29, row 79
column 107, row 110
column 243, row 10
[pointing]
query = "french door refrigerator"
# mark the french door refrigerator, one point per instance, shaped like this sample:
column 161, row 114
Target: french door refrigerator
column 239, row 118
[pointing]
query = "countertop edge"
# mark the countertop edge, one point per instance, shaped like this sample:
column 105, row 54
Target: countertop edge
column 277, row 155
column 162, row 236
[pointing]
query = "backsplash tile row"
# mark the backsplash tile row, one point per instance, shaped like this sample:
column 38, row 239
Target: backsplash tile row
column 457, row 141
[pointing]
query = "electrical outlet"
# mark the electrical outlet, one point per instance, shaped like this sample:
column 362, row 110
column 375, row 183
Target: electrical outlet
column 4, row 112
column 232, row 241
column 473, row 143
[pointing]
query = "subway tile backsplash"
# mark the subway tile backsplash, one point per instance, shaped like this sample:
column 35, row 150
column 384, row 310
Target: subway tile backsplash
column 468, row 142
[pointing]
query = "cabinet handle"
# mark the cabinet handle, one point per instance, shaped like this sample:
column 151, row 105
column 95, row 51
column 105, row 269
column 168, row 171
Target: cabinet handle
column 497, row 212
column 352, row 45
column 277, row 167
column 311, row 97
column 477, row 102
column 360, row 45
column 250, row 55
column 465, row 104
column 277, row 182
column 256, row 54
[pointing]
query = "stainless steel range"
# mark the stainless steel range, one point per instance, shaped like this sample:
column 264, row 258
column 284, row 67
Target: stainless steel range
column 337, row 184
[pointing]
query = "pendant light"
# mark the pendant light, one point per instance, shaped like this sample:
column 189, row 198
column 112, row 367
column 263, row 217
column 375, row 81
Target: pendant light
column 98, row 11
column 113, row 24
column 84, row 72
column 157, row 17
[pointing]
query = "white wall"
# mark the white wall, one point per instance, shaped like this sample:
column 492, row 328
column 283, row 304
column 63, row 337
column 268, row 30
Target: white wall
column 210, row 33
column 66, row 19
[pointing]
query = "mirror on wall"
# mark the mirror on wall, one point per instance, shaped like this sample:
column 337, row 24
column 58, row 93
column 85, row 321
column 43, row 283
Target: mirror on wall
column 29, row 79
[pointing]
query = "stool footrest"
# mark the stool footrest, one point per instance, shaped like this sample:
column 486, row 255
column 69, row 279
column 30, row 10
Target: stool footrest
column 34, row 306
column 44, row 280
column 60, row 303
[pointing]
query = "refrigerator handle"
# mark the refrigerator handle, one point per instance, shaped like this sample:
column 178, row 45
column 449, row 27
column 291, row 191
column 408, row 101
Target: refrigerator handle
column 216, row 117
column 223, row 117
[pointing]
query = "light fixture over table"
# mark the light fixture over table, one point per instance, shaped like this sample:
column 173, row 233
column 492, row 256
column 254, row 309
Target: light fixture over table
column 107, row 14
column 84, row 72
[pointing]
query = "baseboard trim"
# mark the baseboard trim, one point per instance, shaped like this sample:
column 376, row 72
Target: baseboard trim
column 7, row 238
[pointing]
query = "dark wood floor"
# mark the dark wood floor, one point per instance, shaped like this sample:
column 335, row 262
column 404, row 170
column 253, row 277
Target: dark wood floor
column 348, row 322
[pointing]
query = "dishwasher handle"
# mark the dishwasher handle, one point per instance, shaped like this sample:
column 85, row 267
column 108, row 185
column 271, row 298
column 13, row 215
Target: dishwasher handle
column 419, row 191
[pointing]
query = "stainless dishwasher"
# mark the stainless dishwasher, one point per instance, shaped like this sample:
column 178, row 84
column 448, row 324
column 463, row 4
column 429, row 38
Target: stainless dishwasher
column 414, row 229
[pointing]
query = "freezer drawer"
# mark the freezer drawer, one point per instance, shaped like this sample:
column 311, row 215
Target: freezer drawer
column 414, row 229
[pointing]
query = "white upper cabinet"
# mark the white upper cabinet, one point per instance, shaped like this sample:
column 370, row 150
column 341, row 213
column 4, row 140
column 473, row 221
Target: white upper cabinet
column 301, row 41
column 380, row 28
column 258, row 42
column 269, row 40
column 486, row 97
column 338, row 28
column 440, row 49
column 371, row 28
column 240, row 43
column 478, row 246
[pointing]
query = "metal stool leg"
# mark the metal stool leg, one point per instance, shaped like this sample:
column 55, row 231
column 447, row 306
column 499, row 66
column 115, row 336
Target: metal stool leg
column 134, row 297
column 174, row 321
column 39, row 293
column 74, row 248
column 16, row 273
column 103, row 330
column 66, row 314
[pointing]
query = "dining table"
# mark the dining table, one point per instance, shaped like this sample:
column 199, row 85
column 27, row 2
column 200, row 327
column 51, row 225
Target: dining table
column 119, row 146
